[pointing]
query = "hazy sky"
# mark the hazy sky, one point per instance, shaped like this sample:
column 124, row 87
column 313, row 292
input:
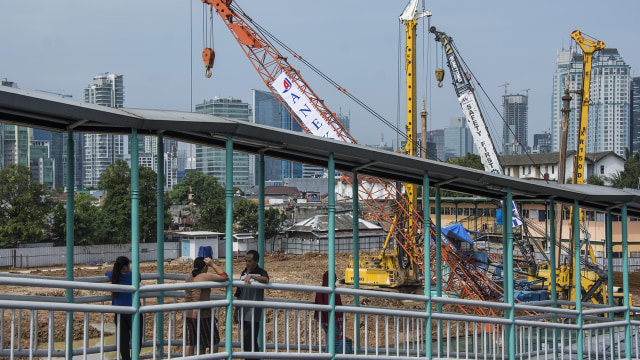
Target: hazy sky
column 59, row 46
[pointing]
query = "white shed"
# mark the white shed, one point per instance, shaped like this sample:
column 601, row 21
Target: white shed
column 191, row 241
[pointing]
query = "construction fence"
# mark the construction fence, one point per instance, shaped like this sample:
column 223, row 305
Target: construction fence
column 97, row 254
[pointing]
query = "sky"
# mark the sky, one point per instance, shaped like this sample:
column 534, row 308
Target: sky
column 60, row 46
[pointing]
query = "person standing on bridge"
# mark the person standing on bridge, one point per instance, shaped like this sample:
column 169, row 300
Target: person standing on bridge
column 323, row 317
column 202, row 321
column 121, row 274
column 251, row 317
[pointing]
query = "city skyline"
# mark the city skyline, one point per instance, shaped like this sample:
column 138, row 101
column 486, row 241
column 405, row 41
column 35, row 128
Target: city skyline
column 523, row 54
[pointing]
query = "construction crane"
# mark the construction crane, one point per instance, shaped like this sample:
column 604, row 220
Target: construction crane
column 383, row 199
column 593, row 278
column 461, row 79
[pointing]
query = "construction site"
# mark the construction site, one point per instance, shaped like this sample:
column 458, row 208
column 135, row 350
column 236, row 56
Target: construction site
column 475, row 275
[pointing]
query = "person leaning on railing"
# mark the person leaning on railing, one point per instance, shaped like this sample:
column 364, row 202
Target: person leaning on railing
column 200, row 273
column 121, row 274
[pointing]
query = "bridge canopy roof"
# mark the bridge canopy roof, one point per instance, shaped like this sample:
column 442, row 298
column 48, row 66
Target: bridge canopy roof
column 44, row 111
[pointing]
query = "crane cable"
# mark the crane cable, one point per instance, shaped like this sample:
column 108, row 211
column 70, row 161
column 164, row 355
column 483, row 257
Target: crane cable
column 267, row 34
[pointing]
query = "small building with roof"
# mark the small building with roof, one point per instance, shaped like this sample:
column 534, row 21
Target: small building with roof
column 312, row 235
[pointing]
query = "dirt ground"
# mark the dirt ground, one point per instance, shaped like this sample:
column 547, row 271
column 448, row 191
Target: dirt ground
column 296, row 269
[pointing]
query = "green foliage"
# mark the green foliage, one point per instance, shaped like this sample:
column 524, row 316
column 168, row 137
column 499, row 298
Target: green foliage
column 24, row 206
column 597, row 180
column 245, row 215
column 273, row 221
column 208, row 200
column 630, row 176
column 86, row 220
column 470, row 160
column 116, row 209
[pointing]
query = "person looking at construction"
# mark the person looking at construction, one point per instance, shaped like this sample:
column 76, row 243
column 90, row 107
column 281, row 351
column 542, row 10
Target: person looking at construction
column 202, row 321
column 323, row 317
column 121, row 274
column 251, row 317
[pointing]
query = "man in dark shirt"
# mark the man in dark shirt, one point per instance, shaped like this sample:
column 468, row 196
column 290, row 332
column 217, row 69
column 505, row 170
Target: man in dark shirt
column 251, row 317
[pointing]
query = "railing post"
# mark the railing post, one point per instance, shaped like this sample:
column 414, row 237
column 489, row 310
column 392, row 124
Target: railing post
column 426, row 230
column 69, row 238
column 332, row 256
column 609, row 250
column 160, row 238
column 228, row 261
column 135, row 245
column 355, row 192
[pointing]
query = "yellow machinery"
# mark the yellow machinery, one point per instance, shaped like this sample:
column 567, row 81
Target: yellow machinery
column 392, row 269
column 593, row 278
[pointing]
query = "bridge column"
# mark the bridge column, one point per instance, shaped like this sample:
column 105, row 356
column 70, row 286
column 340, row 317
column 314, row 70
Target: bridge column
column 426, row 230
column 576, row 275
column 160, row 238
column 507, row 269
column 438, row 265
column 355, row 196
column 552, row 268
column 332, row 254
column 228, row 251
column 625, row 283
column 135, row 244
column 261, row 209
column 69, row 238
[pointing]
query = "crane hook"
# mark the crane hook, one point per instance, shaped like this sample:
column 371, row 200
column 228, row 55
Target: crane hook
column 439, row 76
column 208, row 55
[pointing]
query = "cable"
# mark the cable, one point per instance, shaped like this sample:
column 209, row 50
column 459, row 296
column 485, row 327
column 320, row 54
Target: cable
column 267, row 34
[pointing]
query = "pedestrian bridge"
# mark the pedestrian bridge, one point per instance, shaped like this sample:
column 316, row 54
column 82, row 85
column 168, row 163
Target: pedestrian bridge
column 440, row 328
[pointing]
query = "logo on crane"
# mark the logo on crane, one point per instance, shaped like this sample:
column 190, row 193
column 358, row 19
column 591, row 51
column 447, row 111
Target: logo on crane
column 286, row 83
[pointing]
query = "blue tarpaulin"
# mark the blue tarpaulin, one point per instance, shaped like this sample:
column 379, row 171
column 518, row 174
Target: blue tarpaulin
column 458, row 231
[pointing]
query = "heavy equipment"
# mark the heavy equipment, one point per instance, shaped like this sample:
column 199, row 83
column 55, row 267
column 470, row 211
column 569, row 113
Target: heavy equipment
column 461, row 80
column 593, row 278
column 387, row 201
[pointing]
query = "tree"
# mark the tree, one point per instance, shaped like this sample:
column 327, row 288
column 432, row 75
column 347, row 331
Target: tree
column 273, row 221
column 245, row 215
column 597, row 180
column 470, row 160
column 208, row 200
column 630, row 176
column 24, row 207
column 116, row 208
column 86, row 220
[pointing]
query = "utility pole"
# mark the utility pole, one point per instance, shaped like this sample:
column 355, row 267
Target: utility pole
column 423, row 132
column 566, row 110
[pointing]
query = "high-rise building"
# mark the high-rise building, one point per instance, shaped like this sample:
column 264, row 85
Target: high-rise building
column 634, row 123
column 436, row 137
column 99, row 151
column 515, row 130
column 458, row 140
column 148, row 156
column 268, row 110
column 608, row 124
column 212, row 161
column 15, row 141
column 42, row 165
column 541, row 143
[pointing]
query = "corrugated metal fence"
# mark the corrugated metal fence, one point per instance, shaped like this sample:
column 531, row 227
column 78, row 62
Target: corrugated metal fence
column 301, row 246
column 96, row 254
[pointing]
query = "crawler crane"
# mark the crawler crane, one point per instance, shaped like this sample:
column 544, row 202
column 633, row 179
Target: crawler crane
column 461, row 79
column 384, row 199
